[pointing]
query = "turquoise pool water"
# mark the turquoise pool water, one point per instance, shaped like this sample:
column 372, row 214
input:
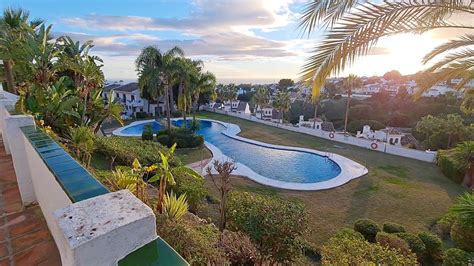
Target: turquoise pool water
column 283, row 165
column 138, row 129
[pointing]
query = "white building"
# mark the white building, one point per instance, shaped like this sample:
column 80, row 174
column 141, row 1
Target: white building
column 311, row 123
column 389, row 135
column 128, row 95
column 439, row 89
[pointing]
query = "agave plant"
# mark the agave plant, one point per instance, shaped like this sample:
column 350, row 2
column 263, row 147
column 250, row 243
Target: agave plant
column 354, row 27
column 464, row 207
column 175, row 207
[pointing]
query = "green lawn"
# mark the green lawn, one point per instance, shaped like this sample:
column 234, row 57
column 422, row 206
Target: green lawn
column 401, row 190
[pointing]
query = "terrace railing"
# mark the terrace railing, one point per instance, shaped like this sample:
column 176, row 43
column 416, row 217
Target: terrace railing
column 90, row 225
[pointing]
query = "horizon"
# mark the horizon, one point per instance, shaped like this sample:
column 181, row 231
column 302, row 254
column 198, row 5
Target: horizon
column 240, row 42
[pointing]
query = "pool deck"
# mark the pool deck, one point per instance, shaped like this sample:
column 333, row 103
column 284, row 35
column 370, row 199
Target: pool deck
column 349, row 168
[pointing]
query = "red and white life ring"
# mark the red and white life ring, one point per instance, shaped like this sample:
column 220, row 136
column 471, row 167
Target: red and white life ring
column 374, row 145
column 331, row 135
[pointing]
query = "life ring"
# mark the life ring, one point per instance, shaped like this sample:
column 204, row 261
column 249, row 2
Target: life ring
column 374, row 145
column 331, row 135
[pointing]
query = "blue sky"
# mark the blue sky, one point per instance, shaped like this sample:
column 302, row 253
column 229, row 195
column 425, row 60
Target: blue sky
column 239, row 40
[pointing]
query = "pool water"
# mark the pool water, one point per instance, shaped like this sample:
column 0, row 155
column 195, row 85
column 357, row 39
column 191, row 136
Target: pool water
column 138, row 129
column 283, row 165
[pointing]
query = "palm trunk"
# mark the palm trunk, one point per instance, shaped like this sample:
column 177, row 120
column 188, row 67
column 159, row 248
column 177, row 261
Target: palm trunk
column 347, row 110
column 167, row 106
column 172, row 99
column 9, row 76
column 194, row 116
column 315, row 113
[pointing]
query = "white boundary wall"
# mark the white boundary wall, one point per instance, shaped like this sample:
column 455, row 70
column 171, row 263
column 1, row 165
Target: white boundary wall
column 364, row 143
column 98, row 231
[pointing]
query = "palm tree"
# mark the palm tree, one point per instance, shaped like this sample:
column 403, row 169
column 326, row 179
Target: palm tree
column 156, row 71
column 14, row 28
column 186, row 74
column 349, row 83
column 166, row 174
column 354, row 27
column 204, row 82
column 463, row 155
column 282, row 103
column 261, row 98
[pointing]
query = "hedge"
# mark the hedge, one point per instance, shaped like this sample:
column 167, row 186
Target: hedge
column 367, row 228
column 123, row 150
column 393, row 228
column 182, row 137
column 447, row 166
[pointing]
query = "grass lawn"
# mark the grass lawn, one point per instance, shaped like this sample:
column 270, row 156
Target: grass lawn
column 188, row 156
column 396, row 189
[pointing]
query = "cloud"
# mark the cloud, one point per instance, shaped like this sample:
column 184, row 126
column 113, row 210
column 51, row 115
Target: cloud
column 207, row 15
column 224, row 46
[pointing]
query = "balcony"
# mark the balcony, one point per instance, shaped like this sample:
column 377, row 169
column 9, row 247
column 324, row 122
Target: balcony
column 135, row 103
column 83, row 222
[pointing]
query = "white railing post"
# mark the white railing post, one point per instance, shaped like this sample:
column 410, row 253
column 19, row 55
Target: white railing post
column 104, row 229
column 16, row 143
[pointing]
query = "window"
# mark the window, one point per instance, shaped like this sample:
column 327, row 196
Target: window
column 133, row 97
column 118, row 95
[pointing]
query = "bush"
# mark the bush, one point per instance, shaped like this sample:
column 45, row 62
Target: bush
column 446, row 222
column 124, row 150
column 447, row 165
column 274, row 225
column 238, row 248
column 194, row 189
column 432, row 243
column 176, row 114
column 414, row 242
column 141, row 115
column 463, row 235
column 348, row 247
column 367, row 228
column 456, row 257
column 394, row 242
column 184, row 138
column 357, row 125
column 197, row 243
column 147, row 133
column 393, row 228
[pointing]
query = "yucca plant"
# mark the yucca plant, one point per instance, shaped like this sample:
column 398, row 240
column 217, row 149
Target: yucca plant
column 353, row 27
column 126, row 178
column 81, row 140
column 464, row 207
column 175, row 207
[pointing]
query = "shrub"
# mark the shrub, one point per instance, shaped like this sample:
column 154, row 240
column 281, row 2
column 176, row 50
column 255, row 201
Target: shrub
column 462, row 234
column 147, row 133
column 176, row 114
column 238, row 248
column 141, row 115
column 447, row 165
column 432, row 243
column 414, row 242
column 197, row 243
column 184, row 138
column 274, row 225
column 194, row 189
column 394, row 242
column 175, row 207
column 393, row 228
column 125, row 150
column 348, row 247
column 367, row 228
column 456, row 257
column 446, row 222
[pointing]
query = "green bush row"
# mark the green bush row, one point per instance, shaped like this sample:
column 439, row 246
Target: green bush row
column 447, row 166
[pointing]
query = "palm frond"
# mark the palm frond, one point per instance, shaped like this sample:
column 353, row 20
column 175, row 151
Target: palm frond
column 462, row 41
column 463, row 54
column 360, row 30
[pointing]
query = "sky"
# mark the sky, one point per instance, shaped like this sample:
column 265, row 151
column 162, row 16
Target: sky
column 241, row 41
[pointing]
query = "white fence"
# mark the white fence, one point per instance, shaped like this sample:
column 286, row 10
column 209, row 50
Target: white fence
column 339, row 137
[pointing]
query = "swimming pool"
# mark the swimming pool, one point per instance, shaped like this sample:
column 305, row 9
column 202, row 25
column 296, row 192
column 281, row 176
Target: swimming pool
column 137, row 129
column 273, row 165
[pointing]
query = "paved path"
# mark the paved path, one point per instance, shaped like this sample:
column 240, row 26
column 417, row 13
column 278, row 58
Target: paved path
column 24, row 235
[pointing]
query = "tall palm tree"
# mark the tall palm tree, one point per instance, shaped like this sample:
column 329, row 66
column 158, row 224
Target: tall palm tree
column 261, row 98
column 186, row 74
column 14, row 28
column 204, row 82
column 349, row 83
column 156, row 70
column 353, row 27
column 282, row 103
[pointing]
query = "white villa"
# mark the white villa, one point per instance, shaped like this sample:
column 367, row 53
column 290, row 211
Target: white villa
column 388, row 135
column 128, row 95
column 268, row 113
column 240, row 107
column 310, row 123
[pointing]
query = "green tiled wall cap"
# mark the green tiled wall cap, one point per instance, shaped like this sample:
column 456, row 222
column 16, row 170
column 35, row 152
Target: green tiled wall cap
column 155, row 253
